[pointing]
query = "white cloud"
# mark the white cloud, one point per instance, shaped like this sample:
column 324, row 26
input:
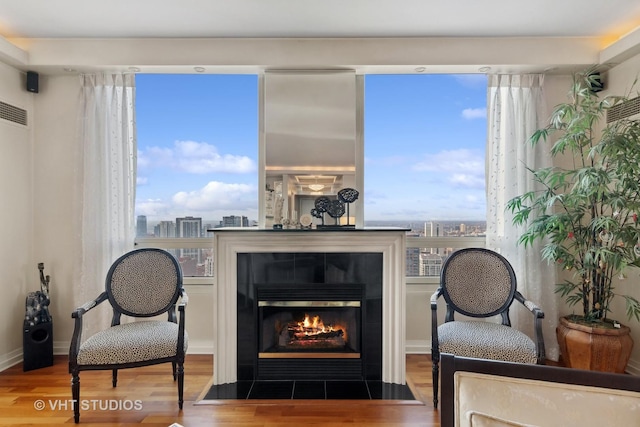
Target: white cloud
column 142, row 180
column 152, row 208
column 194, row 157
column 212, row 201
column 216, row 195
column 466, row 180
column 461, row 168
column 474, row 113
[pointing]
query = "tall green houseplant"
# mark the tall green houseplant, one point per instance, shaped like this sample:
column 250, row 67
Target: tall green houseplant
column 586, row 215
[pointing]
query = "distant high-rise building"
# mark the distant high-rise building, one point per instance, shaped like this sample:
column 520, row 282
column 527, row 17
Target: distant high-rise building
column 208, row 266
column 165, row 229
column 188, row 227
column 434, row 231
column 412, row 268
column 141, row 226
column 430, row 264
column 234, row 221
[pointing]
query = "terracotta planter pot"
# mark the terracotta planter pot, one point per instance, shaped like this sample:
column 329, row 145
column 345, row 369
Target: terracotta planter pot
column 595, row 349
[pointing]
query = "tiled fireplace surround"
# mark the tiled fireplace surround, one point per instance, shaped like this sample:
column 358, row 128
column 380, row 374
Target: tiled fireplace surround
column 374, row 258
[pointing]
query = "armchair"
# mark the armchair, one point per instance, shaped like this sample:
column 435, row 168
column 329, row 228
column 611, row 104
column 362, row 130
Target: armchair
column 142, row 283
column 479, row 283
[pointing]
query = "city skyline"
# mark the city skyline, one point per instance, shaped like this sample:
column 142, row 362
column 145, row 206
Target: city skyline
column 437, row 228
column 424, row 147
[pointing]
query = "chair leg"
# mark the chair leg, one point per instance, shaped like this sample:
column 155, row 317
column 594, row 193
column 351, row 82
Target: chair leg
column 114, row 377
column 180, row 384
column 75, row 394
column 435, row 361
column 173, row 365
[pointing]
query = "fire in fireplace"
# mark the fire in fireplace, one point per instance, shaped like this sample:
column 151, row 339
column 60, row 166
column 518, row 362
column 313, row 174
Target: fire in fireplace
column 312, row 334
column 303, row 329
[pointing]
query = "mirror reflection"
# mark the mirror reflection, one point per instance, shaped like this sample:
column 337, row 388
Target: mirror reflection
column 310, row 145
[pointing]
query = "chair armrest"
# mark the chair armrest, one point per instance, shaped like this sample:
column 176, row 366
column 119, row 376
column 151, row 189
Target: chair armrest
column 538, row 315
column 435, row 353
column 77, row 314
column 184, row 299
column 80, row 311
column 434, row 298
column 530, row 305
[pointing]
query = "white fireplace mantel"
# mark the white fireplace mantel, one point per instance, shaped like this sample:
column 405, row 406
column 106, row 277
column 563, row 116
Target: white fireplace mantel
column 229, row 242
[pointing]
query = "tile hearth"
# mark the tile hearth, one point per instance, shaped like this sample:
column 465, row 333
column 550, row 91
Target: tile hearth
column 309, row 389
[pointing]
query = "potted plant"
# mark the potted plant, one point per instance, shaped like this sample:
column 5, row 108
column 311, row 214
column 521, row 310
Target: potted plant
column 586, row 216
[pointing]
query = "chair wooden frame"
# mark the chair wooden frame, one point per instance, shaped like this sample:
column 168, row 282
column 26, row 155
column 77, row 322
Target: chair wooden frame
column 177, row 361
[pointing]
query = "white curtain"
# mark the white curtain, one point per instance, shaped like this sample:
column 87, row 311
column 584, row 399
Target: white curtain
column 106, row 161
column 516, row 109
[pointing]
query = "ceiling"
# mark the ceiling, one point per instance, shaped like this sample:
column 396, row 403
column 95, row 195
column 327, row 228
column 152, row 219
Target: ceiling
column 608, row 20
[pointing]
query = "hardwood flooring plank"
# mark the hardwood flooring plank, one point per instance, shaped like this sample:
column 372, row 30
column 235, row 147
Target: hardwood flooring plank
column 148, row 396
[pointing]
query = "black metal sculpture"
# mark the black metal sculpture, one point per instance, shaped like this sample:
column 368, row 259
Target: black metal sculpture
column 37, row 303
column 321, row 206
column 37, row 331
column 335, row 208
column 348, row 196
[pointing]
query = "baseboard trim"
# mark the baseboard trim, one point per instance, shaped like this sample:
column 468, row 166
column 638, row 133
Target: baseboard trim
column 417, row 347
column 633, row 367
column 10, row 359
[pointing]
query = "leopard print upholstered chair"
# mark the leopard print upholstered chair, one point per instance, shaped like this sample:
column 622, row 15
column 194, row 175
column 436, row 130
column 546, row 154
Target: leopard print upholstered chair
column 141, row 284
column 479, row 283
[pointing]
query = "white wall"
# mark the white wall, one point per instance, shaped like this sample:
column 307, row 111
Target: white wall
column 619, row 81
column 56, row 231
column 18, row 271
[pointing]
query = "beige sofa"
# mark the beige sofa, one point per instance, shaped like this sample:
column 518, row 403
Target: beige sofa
column 483, row 393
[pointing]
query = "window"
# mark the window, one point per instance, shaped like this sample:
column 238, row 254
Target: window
column 424, row 151
column 425, row 139
column 197, row 154
column 197, row 151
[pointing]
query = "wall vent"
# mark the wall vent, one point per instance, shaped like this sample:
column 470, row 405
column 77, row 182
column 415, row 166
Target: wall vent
column 13, row 114
column 626, row 110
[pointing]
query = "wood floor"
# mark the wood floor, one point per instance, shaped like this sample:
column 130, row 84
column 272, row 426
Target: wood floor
column 148, row 396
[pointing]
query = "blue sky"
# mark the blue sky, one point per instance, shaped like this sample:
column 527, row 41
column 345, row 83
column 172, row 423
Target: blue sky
column 424, row 146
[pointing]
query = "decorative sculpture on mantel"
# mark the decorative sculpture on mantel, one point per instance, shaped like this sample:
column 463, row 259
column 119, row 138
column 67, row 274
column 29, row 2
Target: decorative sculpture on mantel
column 335, row 208
column 348, row 196
column 321, row 206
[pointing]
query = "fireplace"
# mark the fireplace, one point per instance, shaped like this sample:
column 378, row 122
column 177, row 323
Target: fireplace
column 310, row 316
column 351, row 267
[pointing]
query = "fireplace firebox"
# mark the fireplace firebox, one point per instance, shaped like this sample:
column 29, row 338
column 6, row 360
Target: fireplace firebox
column 304, row 328
column 318, row 326
column 315, row 317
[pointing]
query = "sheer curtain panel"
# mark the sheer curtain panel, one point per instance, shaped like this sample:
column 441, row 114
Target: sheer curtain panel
column 516, row 109
column 106, row 181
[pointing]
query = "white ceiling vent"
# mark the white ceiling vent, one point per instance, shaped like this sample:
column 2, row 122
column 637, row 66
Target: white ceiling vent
column 627, row 110
column 13, row 114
